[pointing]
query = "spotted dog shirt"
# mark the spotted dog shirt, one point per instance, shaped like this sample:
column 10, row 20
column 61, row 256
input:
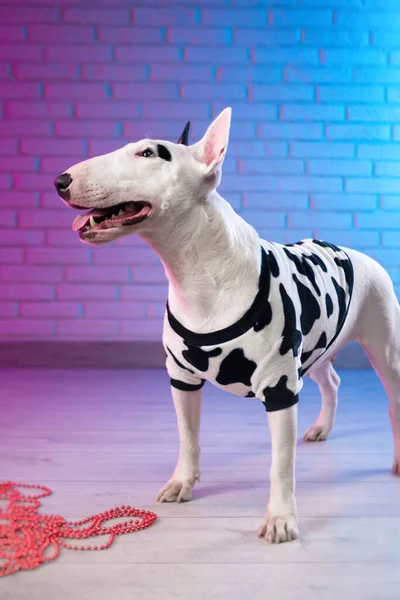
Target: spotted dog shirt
column 303, row 298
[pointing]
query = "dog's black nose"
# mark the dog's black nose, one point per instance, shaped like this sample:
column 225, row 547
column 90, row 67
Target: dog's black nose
column 62, row 183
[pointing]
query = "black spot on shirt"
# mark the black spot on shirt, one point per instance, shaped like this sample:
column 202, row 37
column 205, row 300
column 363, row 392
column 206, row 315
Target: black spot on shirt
column 164, row 153
column 341, row 294
column 291, row 335
column 279, row 396
column 310, row 310
column 182, row 366
column 329, row 305
column 327, row 245
column 265, row 317
column 273, row 264
column 303, row 268
column 322, row 342
column 236, row 368
column 348, row 271
column 199, row 358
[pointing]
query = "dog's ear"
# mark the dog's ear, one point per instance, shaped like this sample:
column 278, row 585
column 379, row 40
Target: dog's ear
column 211, row 149
column 184, row 139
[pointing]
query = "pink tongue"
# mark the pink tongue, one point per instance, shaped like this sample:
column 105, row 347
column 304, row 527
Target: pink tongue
column 81, row 220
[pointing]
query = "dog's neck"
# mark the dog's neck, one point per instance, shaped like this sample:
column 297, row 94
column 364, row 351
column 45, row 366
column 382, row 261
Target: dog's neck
column 212, row 261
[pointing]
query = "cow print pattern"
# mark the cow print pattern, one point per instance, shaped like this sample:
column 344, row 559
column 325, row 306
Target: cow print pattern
column 304, row 295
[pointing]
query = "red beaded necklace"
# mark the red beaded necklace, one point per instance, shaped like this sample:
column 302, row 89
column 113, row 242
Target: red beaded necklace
column 26, row 535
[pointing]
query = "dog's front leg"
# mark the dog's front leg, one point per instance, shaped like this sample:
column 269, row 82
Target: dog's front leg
column 188, row 408
column 280, row 522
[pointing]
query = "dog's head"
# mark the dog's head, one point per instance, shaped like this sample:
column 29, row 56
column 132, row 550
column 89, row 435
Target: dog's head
column 133, row 188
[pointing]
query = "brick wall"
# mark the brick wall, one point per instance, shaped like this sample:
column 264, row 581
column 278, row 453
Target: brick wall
column 315, row 91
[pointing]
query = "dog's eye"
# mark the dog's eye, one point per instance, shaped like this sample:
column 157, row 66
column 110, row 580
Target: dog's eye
column 146, row 153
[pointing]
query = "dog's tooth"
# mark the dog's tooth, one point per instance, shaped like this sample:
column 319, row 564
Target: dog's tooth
column 92, row 221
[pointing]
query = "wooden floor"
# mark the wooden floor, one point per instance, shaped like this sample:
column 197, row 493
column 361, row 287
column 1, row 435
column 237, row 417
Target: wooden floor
column 100, row 439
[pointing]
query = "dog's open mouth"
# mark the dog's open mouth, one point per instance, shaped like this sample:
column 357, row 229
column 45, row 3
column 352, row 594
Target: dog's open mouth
column 128, row 213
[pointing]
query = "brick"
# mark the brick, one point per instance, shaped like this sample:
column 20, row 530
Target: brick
column 58, row 256
column 35, row 110
column 395, row 58
column 26, row 291
column 198, row 91
column 84, row 90
column 390, row 202
column 386, row 74
column 148, row 274
column 147, row 54
column 97, row 274
column 144, row 91
column 14, row 199
column 349, row 239
column 283, row 92
column 104, row 146
column 277, row 201
column 199, row 36
column 83, row 329
column 374, row 185
column 310, row 184
column 364, row 56
column 317, row 75
column 319, row 219
column 11, row 256
column 234, row 199
column 385, row 39
column 81, row 53
column 258, row 218
column 393, row 94
column 82, row 291
column 5, row 182
column 234, row 18
column 11, row 33
column 206, row 54
column 109, row 16
column 181, row 72
column 312, row 112
column 20, row 237
column 251, row 183
column 34, row 14
column 396, row 132
column 367, row 93
column 8, row 146
column 142, row 330
column 391, row 239
column 248, row 73
column 44, row 219
column 5, row 71
column 73, row 147
column 394, row 273
column 340, row 167
column 124, row 256
column 165, row 17
column 300, row 18
column 286, row 56
column 26, row 328
column 258, row 148
column 8, row 309
column 133, row 129
column 266, row 37
column 291, row 131
column 389, row 258
column 285, row 236
column 138, row 292
column 8, row 218
column 358, row 132
column 108, row 310
column 25, row 127
column 103, row 110
column 55, row 166
column 368, row 20
column 61, row 34
column 176, row 110
column 379, row 151
column 17, row 163
column 387, row 169
column 87, row 128
column 242, row 110
column 23, row 52
column 130, row 35
column 261, row 166
column 110, row 73
column 342, row 38
column 156, row 310
column 32, row 181
column 49, row 310
column 322, row 150
column 18, row 273
column 340, row 202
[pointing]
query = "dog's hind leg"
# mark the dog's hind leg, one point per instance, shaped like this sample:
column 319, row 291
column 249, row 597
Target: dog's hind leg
column 328, row 382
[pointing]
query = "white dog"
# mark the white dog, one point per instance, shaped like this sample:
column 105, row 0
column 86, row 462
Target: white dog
column 252, row 317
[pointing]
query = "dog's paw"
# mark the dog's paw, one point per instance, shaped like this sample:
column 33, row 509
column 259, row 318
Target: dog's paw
column 396, row 466
column 279, row 529
column 176, row 491
column 316, row 433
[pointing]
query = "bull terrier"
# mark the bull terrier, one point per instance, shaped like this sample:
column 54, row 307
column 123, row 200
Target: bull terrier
column 250, row 316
